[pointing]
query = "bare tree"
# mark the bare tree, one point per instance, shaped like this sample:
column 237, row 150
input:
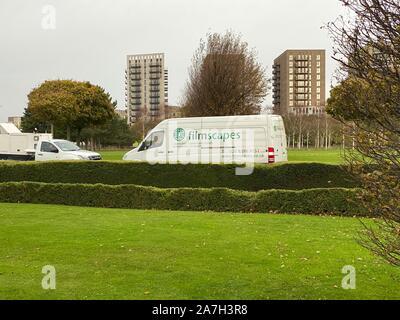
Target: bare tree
column 224, row 79
column 367, row 101
column 318, row 131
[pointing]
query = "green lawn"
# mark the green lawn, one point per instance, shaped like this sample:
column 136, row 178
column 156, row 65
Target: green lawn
column 333, row 156
column 312, row 155
column 127, row 254
column 113, row 155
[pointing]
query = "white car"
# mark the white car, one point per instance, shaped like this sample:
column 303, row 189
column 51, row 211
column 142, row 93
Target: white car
column 62, row 150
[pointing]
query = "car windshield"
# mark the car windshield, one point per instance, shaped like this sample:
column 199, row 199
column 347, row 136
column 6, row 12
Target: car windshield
column 67, row 145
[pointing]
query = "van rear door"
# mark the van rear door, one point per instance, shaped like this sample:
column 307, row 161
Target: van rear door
column 278, row 139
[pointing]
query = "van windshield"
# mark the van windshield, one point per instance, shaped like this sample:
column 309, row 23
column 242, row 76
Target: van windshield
column 67, row 145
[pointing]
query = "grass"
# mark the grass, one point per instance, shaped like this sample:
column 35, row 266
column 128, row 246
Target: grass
column 127, row 254
column 113, row 155
column 332, row 156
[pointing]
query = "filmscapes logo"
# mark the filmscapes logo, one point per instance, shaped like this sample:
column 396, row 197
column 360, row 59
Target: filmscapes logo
column 214, row 136
column 179, row 134
column 194, row 135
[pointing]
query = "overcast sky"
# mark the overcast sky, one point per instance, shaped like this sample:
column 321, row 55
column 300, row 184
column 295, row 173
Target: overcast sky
column 91, row 38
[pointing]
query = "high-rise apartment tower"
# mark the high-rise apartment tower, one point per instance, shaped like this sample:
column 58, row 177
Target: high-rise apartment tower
column 146, row 80
column 299, row 82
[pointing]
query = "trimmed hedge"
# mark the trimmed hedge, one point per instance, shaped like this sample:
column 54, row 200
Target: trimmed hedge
column 286, row 176
column 313, row 201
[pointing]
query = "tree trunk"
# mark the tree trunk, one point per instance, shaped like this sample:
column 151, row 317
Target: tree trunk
column 330, row 139
column 293, row 140
column 300, row 135
column 68, row 133
column 92, row 144
column 326, row 132
column 78, row 139
column 343, row 138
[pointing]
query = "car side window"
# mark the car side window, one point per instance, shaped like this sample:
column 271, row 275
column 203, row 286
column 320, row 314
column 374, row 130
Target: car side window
column 155, row 140
column 48, row 147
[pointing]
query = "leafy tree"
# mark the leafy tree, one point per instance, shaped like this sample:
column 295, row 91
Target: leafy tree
column 68, row 104
column 225, row 79
column 115, row 132
column 29, row 124
column 367, row 101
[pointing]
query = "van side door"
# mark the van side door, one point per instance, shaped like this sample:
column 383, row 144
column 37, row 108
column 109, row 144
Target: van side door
column 183, row 138
column 153, row 148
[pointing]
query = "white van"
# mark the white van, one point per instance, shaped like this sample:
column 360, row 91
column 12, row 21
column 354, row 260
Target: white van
column 15, row 145
column 216, row 140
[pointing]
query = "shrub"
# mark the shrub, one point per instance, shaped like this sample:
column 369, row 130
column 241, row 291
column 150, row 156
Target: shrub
column 285, row 176
column 336, row 201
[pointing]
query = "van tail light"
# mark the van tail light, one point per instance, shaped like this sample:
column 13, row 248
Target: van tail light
column 271, row 155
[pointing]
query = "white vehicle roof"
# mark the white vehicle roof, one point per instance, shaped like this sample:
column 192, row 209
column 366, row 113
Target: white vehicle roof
column 227, row 118
column 8, row 128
